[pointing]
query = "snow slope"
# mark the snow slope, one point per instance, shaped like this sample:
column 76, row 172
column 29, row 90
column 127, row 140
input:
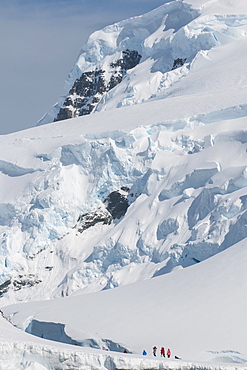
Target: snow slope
column 198, row 312
column 22, row 351
column 149, row 199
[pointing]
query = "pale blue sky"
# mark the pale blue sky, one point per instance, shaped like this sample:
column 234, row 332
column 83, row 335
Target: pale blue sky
column 39, row 43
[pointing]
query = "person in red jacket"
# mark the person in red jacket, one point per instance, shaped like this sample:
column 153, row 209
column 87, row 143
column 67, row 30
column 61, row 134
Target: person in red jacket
column 162, row 352
column 168, row 353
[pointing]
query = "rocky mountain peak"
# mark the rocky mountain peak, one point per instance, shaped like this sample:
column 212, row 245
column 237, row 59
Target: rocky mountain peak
column 88, row 90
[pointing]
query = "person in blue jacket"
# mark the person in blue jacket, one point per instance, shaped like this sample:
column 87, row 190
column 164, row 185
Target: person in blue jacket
column 144, row 353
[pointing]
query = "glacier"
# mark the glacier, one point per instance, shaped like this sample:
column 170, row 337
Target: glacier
column 64, row 225
column 136, row 210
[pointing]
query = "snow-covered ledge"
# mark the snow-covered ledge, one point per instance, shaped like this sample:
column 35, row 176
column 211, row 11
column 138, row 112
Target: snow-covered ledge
column 32, row 356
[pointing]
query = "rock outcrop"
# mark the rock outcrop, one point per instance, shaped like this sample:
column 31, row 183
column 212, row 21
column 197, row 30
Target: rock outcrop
column 88, row 90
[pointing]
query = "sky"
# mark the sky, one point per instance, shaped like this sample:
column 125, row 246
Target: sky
column 40, row 41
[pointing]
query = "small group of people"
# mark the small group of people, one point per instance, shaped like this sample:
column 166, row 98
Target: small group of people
column 163, row 353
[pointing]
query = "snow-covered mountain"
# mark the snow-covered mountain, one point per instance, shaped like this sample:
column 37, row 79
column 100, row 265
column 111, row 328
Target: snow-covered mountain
column 132, row 193
column 145, row 57
column 149, row 198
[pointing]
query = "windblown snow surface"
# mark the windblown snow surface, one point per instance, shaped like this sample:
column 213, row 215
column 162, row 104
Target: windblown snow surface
column 126, row 228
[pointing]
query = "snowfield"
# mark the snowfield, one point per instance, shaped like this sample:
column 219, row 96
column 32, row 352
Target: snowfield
column 126, row 228
column 198, row 312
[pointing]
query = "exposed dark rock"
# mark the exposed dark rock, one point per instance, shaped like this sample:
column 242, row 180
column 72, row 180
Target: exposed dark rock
column 130, row 59
column 49, row 268
column 116, row 78
column 89, row 84
column 92, row 218
column 88, row 90
column 25, row 281
column 179, row 62
column 64, row 113
column 68, row 101
column 116, row 204
column 22, row 281
column 4, row 287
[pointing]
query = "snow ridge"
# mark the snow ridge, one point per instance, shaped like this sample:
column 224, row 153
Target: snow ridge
column 29, row 356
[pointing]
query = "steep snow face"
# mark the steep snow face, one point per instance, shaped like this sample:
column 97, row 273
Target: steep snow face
column 146, row 57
